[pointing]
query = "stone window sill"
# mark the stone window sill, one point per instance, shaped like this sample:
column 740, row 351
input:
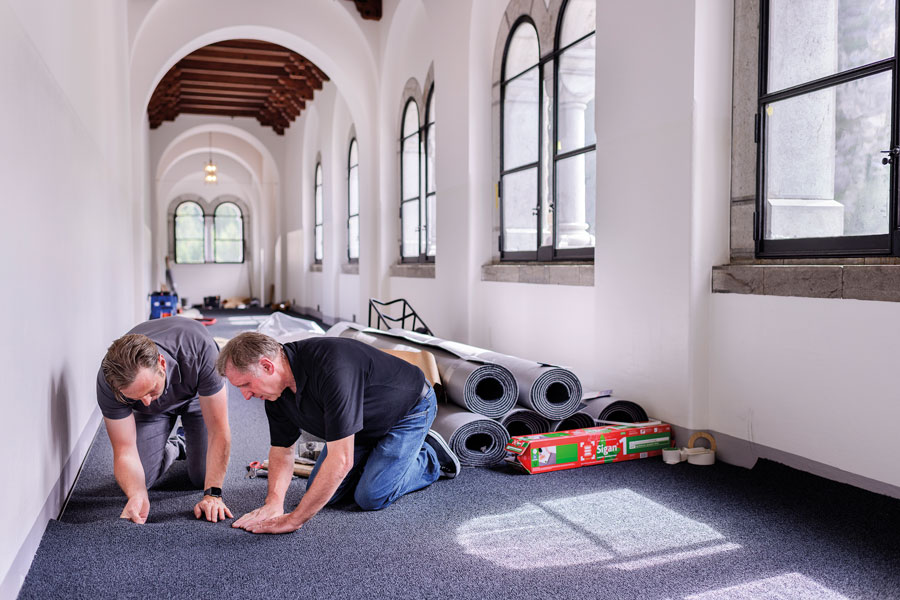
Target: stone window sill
column 580, row 274
column 849, row 280
column 350, row 268
column 315, row 268
column 418, row 270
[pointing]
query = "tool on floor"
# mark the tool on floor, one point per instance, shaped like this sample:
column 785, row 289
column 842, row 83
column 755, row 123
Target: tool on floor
column 301, row 469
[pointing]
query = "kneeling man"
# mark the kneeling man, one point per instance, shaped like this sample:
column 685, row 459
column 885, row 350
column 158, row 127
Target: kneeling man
column 158, row 371
column 372, row 409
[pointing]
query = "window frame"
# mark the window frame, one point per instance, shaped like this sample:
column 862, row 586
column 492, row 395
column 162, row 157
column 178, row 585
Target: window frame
column 848, row 246
column 350, row 215
column 318, row 220
column 215, row 235
column 426, row 129
column 542, row 253
column 418, row 198
column 175, row 237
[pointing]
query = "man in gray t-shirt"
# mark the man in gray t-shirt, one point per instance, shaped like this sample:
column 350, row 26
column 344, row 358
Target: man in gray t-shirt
column 161, row 370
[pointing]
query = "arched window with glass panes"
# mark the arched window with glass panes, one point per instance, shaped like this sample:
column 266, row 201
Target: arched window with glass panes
column 353, row 203
column 429, row 234
column 190, row 231
column 548, row 139
column 410, row 186
column 228, row 230
column 319, row 236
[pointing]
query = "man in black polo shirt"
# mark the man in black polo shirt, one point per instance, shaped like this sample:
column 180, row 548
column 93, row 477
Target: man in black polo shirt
column 158, row 371
column 372, row 409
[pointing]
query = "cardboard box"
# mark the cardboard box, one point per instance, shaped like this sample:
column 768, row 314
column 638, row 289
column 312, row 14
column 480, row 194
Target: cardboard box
column 544, row 452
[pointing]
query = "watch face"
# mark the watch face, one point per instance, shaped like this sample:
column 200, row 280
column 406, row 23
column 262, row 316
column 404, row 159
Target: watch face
column 213, row 491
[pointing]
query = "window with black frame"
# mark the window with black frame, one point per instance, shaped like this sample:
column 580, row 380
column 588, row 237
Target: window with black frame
column 228, row 238
column 827, row 137
column 429, row 232
column 410, row 184
column 319, row 235
column 353, row 203
column 190, row 233
column 548, row 140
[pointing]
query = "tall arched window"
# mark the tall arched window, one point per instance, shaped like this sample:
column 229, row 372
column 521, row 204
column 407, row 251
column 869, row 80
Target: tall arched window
column 228, row 227
column 574, row 153
column 520, row 210
column 319, row 217
column 353, row 203
column 429, row 236
column 189, row 233
column 410, row 184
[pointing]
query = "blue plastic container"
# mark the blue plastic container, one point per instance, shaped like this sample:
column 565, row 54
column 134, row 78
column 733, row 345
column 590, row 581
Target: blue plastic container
column 163, row 305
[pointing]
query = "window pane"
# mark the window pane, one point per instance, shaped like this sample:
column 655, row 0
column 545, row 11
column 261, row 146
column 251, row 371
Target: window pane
column 429, row 159
column 319, row 211
column 824, row 176
column 229, row 251
column 320, row 245
column 354, row 159
column 520, row 120
column 519, row 202
column 575, row 101
column 190, row 251
column 353, row 191
column 579, row 20
column 431, row 242
column 810, row 39
column 576, row 193
column 189, row 209
column 410, row 119
column 410, row 241
column 353, row 236
column 523, row 52
column 411, row 167
column 189, row 228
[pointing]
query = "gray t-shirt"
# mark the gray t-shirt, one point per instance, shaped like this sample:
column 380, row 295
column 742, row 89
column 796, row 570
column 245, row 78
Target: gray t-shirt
column 190, row 354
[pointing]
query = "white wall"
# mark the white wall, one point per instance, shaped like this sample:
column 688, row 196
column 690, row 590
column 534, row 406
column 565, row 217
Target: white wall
column 70, row 250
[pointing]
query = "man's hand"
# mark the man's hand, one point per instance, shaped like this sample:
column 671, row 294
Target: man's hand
column 137, row 509
column 254, row 517
column 212, row 508
column 283, row 524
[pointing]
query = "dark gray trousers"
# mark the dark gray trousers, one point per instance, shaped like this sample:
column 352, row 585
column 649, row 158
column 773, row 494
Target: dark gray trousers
column 158, row 452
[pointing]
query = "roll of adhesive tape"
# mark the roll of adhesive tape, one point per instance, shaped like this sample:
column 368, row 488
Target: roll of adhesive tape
column 702, row 458
column 704, row 435
column 686, row 452
column 672, row 456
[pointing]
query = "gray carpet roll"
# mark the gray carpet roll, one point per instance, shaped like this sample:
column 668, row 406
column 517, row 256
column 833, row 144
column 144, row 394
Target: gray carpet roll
column 473, row 384
column 554, row 392
column 523, row 421
column 579, row 420
column 614, row 409
column 477, row 440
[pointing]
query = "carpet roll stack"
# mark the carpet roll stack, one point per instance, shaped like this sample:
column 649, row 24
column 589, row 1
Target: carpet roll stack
column 475, row 439
column 613, row 409
column 578, row 420
column 522, row 421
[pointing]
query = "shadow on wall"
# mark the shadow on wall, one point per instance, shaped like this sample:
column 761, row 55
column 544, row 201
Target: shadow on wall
column 60, row 428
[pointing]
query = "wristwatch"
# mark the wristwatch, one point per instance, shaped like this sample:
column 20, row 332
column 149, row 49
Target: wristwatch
column 213, row 491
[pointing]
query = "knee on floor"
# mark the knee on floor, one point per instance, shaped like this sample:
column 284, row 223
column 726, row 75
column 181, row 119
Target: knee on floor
column 368, row 501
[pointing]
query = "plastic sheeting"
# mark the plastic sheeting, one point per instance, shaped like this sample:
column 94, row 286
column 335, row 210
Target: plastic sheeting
column 523, row 421
column 285, row 328
column 614, row 409
column 473, row 384
column 475, row 439
column 554, row 392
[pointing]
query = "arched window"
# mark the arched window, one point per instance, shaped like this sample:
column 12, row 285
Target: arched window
column 429, row 236
column 353, row 203
column 410, row 183
column 319, row 217
column 189, row 233
column 574, row 153
column 228, row 227
column 520, row 209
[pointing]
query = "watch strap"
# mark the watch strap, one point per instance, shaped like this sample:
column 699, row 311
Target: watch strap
column 213, row 491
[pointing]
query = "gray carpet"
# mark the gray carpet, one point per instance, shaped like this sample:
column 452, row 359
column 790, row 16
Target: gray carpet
column 640, row 529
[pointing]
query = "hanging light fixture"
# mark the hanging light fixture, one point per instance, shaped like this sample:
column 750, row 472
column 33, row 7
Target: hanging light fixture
column 210, row 168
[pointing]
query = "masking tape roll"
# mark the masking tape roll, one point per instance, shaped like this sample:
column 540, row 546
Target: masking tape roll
column 672, row 456
column 702, row 458
column 704, row 435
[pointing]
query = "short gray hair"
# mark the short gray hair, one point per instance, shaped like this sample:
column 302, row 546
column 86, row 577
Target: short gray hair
column 244, row 351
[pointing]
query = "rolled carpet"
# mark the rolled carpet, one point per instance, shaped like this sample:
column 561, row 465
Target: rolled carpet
column 475, row 439
column 614, row 409
column 579, row 420
column 522, row 421
column 473, row 384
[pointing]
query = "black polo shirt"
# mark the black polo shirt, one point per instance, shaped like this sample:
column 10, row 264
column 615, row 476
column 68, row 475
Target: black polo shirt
column 190, row 354
column 344, row 387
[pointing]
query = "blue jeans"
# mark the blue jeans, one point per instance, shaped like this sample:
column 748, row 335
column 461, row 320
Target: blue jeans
column 399, row 463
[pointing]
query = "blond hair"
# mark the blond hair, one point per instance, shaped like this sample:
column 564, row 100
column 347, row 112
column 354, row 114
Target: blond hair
column 244, row 351
column 124, row 359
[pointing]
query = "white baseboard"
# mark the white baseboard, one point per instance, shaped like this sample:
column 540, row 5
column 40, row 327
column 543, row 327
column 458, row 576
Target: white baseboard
column 15, row 576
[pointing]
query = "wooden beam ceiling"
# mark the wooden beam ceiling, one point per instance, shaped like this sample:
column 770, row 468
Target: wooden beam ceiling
column 369, row 9
column 238, row 78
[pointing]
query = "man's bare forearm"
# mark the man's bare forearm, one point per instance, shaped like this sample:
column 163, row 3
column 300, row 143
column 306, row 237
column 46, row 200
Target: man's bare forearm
column 129, row 474
column 218, row 450
column 323, row 488
column 281, row 470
